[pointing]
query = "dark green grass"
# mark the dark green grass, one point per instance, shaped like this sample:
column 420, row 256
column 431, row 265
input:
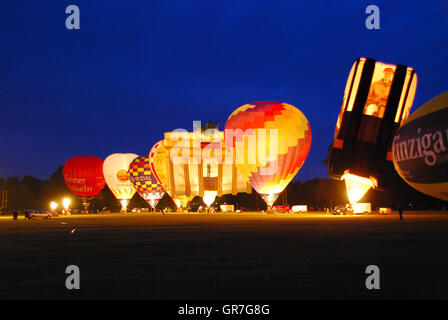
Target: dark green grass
column 250, row 256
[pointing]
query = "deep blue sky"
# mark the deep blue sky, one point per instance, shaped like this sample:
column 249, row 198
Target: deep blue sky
column 136, row 69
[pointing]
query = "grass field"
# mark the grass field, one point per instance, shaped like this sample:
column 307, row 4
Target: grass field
column 225, row 256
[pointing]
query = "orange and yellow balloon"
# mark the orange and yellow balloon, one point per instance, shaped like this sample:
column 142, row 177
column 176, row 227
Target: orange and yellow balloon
column 272, row 140
column 159, row 163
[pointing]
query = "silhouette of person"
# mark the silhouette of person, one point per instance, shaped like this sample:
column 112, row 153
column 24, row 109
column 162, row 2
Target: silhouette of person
column 378, row 94
column 400, row 212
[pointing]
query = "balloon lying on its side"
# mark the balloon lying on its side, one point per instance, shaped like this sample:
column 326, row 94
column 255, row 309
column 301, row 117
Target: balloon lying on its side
column 115, row 169
column 420, row 148
column 83, row 175
column 377, row 99
column 275, row 141
column 144, row 181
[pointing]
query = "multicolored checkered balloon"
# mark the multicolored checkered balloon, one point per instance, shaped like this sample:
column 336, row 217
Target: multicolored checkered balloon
column 144, row 181
column 277, row 131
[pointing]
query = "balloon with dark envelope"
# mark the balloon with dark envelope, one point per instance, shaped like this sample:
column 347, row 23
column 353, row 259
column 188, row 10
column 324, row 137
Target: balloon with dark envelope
column 420, row 148
column 377, row 99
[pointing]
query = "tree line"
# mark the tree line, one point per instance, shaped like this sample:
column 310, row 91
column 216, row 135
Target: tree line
column 320, row 193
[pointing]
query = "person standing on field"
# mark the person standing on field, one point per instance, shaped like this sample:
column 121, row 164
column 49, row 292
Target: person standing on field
column 400, row 212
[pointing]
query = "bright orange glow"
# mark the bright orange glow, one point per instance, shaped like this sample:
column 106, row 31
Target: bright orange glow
column 357, row 186
column 356, row 190
column 356, row 82
column 66, row 203
column 53, row 205
column 209, row 197
column 273, row 147
column 124, row 204
column 182, row 201
column 270, row 198
column 115, row 170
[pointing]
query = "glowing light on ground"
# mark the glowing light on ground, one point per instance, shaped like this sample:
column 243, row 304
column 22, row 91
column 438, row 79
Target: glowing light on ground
column 124, row 205
column 270, row 198
column 53, row 205
column 357, row 186
column 209, row 197
column 66, row 203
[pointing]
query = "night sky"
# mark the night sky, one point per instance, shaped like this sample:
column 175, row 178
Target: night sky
column 137, row 69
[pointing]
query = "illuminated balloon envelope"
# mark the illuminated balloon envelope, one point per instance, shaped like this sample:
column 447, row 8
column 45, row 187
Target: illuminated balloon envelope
column 144, row 181
column 83, row 175
column 420, row 148
column 115, row 171
column 159, row 164
column 377, row 99
column 272, row 140
column 202, row 171
column 182, row 201
column 209, row 197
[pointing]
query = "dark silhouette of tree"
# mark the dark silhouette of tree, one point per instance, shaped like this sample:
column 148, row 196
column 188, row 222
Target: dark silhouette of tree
column 33, row 193
column 55, row 189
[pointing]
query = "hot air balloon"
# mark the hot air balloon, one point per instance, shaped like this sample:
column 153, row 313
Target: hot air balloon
column 202, row 172
column 182, row 201
column 84, row 177
column 160, row 166
column 377, row 99
column 272, row 140
column 144, row 181
column 420, row 148
column 115, row 171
